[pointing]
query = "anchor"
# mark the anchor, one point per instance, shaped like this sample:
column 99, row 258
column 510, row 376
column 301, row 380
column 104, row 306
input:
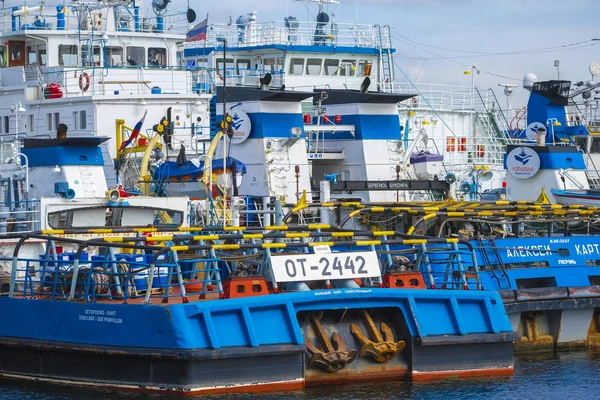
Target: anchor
column 376, row 347
column 328, row 359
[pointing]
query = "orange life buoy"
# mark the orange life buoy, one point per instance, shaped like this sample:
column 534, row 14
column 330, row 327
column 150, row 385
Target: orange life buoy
column 84, row 85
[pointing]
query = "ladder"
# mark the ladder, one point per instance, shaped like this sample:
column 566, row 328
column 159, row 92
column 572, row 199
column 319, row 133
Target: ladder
column 592, row 173
column 386, row 60
column 489, row 137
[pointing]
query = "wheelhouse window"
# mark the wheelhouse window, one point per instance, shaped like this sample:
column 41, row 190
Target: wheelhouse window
column 31, row 55
column 136, row 56
column 3, row 56
column 49, row 122
column 201, row 62
column 242, row 65
column 229, row 65
column 348, row 68
column 595, row 148
column 297, row 66
column 331, row 67
column 6, row 124
column 114, row 56
column 90, row 56
column 364, row 68
column 82, row 119
column 274, row 64
column 157, row 57
column 67, row 55
column 314, row 66
column 41, row 54
column 117, row 216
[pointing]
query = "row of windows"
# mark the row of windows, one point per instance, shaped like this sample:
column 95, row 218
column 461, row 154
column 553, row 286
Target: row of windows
column 298, row 66
column 135, row 55
column 329, row 67
column 27, row 123
column 79, row 120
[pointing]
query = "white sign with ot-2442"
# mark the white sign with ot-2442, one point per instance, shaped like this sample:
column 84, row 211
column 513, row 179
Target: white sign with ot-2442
column 320, row 267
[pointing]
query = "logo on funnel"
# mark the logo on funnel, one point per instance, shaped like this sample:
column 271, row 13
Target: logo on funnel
column 241, row 125
column 523, row 157
column 531, row 132
column 523, row 162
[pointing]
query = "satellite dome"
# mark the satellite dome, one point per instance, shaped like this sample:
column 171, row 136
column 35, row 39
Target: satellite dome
column 529, row 80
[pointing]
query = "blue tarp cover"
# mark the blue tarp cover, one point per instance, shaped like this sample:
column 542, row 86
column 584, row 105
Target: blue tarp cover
column 171, row 170
column 421, row 157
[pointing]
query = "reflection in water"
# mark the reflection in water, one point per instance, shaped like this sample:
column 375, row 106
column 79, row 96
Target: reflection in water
column 565, row 375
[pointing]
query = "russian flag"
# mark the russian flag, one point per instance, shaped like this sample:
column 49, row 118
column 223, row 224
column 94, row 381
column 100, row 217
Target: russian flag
column 135, row 133
column 198, row 32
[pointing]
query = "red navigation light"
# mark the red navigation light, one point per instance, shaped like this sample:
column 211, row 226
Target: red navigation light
column 504, row 184
column 307, row 119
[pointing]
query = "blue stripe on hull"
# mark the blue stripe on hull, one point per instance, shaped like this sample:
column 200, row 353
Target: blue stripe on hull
column 255, row 321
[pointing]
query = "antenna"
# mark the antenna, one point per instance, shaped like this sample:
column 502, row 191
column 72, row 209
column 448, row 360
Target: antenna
column 509, row 88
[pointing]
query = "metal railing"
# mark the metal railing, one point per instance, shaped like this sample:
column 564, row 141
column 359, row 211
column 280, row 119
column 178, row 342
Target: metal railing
column 306, row 33
column 77, row 81
column 19, row 216
column 436, row 96
column 88, row 17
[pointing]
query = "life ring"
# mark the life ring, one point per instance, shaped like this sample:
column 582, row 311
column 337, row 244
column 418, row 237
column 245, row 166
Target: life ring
column 84, row 86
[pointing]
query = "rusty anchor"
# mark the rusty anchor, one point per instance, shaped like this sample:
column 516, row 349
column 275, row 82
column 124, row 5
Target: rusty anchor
column 376, row 347
column 328, row 359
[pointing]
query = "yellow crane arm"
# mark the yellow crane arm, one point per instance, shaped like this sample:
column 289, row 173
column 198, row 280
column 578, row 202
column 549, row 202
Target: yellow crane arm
column 145, row 177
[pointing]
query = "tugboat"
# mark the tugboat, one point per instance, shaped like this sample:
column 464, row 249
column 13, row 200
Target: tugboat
column 148, row 303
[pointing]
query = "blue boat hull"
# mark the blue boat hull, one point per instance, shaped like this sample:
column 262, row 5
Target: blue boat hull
column 253, row 344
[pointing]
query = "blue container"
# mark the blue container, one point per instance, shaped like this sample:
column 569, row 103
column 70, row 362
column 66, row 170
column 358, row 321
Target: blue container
column 100, row 261
column 141, row 280
column 136, row 262
column 70, row 256
column 161, row 273
column 50, row 264
column 83, row 257
column 150, row 257
column 156, row 90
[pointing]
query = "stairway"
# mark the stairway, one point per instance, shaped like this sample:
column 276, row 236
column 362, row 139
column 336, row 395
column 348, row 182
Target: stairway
column 386, row 59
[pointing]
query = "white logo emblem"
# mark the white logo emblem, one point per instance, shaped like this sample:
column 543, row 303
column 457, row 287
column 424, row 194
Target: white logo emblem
column 532, row 129
column 523, row 162
column 241, row 125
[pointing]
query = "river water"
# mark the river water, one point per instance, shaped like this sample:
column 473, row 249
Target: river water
column 562, row 376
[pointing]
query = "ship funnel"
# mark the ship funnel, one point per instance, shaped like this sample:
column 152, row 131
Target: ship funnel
column 61, row 132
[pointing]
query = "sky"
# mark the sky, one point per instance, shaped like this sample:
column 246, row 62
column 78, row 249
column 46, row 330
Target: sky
column 461, row 33
column 437, row 40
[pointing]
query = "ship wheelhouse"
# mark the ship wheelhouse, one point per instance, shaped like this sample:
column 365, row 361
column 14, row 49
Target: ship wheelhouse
column 301, row 55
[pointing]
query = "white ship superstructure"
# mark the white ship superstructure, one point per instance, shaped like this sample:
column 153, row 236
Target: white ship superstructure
column 90, row 64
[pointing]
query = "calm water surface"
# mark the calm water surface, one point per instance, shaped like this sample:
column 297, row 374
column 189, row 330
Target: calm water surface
column 563, row 376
